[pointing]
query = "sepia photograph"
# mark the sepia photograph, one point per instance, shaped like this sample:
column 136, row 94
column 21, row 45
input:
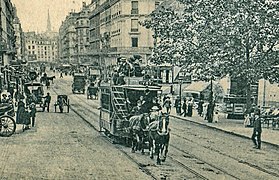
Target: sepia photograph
column 139, row 90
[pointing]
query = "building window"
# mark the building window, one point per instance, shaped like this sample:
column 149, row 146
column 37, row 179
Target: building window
column 134, row 25
column 157, row 3
column 135, row 42
column 33, row 47
column 29, row 47
column 135, row 7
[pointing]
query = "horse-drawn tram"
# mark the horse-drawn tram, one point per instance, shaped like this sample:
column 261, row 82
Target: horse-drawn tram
column 116, row 106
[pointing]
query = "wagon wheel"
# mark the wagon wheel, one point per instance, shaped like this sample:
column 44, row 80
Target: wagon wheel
column 8, row 126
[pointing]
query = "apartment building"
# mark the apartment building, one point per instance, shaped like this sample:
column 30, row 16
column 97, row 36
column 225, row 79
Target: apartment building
column 82, row 34
column 67, row 39
column 19, row 37
column 42, row 46
column 7, row 37
column 115, row 30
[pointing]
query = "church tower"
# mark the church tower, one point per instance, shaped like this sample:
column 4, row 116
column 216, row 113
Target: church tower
column 48, row 22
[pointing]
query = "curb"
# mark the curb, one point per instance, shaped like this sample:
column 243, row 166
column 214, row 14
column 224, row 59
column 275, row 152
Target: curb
column 222, row 130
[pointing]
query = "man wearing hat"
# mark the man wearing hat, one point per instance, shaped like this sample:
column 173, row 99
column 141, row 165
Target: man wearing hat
column 257, row 131
column 47, row 102
column 154, row 114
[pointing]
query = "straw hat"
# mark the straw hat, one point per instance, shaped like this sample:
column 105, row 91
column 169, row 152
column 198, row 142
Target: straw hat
column 155, row 108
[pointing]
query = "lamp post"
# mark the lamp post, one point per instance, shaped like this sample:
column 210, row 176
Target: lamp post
column 180, row 89
column 210, row 105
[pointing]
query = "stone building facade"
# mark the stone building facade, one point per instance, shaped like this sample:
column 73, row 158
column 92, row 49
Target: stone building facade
column 7, row 34
column 19, row 37
column 41, row 47
column 115, row 30
column 67, row 39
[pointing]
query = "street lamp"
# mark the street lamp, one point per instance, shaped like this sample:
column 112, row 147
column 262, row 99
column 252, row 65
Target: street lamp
column 180, row 88
column 210, row 105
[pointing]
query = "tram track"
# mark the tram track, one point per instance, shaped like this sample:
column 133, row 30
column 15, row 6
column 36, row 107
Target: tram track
column 172, row 158
column 106, row 139
column 251, row 165
column 142, row 167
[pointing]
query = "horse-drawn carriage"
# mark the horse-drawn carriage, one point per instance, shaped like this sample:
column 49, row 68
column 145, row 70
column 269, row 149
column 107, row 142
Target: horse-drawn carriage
column 35, row 93
column 7, row 123
column 117, row 122
column 92, row 91
column 79, row 83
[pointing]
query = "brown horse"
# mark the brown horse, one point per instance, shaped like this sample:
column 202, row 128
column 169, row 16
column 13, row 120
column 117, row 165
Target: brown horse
column 138, row 125
column 159, row 136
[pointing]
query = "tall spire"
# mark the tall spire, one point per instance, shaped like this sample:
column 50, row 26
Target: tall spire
column 48, row 22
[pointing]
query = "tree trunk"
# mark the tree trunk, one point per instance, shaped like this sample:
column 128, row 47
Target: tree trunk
column 248, row 78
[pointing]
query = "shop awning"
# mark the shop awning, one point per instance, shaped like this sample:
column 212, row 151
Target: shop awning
column 166, row 90
column 196, row 87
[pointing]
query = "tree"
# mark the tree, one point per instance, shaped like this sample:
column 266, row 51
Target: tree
column 216, row 38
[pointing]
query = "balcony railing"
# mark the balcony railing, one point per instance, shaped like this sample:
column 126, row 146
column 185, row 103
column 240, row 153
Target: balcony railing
column 135, row 11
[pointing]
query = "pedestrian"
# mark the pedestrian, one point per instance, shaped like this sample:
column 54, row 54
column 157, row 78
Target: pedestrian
column 190, row 108
column 19, row 112
column 177, row 105
column 184, row 108
column 61, row 75
column 47, row 84
column 200, row 108
column 204, row 113
column 47, row 102
column 33, row 112
column 216, row 116
column 60, row 102
column 257, row 131
column 156, row 103
column 167, row 104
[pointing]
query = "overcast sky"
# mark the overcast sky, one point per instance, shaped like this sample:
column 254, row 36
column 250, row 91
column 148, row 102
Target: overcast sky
column 33, row 13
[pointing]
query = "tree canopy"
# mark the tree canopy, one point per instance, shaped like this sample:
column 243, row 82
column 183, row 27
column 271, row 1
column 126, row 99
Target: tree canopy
column 215, row 38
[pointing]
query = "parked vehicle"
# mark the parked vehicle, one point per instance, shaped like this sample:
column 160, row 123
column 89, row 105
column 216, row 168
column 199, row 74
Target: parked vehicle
column 79, row 83
column 7, row 122
column 62, row 100
column 34, row 92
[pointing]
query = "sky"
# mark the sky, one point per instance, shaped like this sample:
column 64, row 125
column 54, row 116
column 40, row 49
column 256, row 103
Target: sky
column 33, row 13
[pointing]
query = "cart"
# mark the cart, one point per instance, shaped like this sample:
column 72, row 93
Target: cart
column 62, row 100
column 7, row 122
column 92, row 91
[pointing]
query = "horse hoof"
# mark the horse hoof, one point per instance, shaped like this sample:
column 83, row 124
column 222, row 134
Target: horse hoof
column 133, row 151
column 151, row 157
column 158, row 163
column 163, row 160
column 142, row 153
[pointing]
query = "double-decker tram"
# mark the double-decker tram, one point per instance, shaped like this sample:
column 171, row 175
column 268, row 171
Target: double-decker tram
column 115, row 107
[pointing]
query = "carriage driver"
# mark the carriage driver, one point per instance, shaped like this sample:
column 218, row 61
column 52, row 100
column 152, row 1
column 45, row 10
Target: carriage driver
column 155, row 113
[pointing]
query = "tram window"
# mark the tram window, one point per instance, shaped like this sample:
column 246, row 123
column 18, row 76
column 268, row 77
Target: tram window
column 105, row 101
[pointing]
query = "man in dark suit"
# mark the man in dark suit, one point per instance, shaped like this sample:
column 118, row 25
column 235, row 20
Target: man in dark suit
column 257, row 131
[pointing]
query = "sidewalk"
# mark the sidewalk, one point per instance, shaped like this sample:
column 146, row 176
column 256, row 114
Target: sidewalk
column 233, row 126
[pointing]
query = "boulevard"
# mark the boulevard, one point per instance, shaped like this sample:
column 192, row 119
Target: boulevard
column 69, row 146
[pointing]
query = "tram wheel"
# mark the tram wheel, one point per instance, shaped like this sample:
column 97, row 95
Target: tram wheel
column 8, row 126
